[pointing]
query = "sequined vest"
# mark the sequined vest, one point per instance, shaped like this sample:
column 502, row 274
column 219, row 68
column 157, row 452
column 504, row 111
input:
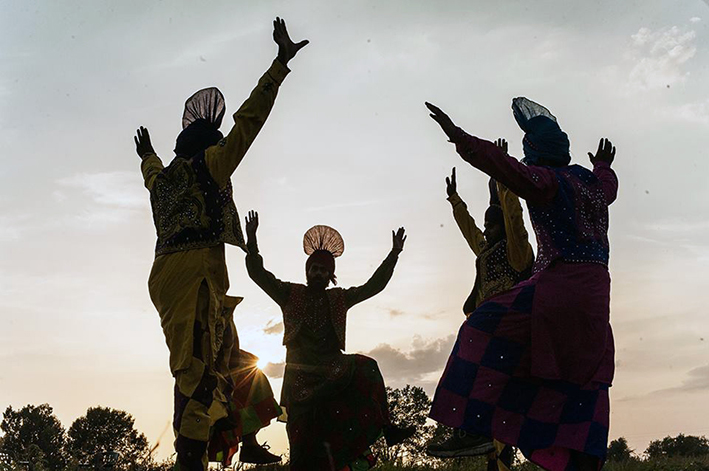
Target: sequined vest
column 574, row 226
column 190, row 211
column 294, row 313
column 493, row 275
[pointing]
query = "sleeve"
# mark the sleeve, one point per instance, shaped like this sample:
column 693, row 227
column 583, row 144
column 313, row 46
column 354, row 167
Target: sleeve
column 519, row 250
column 471, row 232
column 272, row 286
column 532, row 183
column 223, row 158
column 609, row 180
column 375, row 284
column 150, row 166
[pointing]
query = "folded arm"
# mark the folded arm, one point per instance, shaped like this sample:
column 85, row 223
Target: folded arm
column 150, row 166
column 535, row 184
column 519, row 250
column 609, row 180
column 375, row 284
column 278, row 290
column 150, row 163
column 223, row 158
column 466, row 223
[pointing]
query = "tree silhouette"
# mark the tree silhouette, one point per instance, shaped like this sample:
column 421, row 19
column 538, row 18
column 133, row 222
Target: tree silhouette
column 34, row 435
column 409, row 406
column 106, row 437
column 619, row 451
column 681, row 445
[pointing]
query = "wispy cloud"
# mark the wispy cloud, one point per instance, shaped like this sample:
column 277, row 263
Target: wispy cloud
column 274, row 370
column 693, row 112
column 660, row 56
column 697, row 380
column 117, row 189
column 273, row 328
column 97, row 200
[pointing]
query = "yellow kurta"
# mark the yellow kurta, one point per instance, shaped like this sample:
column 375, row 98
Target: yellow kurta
column 518, row 250
column 175, row 278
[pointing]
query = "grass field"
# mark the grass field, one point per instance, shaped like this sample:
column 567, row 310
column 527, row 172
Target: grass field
column 668, row 464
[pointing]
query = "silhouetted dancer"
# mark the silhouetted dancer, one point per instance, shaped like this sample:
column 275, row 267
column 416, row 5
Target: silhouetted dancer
column 504, row 257
column 221, row 398
column 336, row 404
column 532, row 366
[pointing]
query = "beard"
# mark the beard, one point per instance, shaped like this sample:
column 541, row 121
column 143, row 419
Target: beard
column 318, row 283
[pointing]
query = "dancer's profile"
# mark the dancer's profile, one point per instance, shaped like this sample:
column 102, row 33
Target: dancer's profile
column 336, row 404
column 532, row 366
column 221, row 398
column 504, row 257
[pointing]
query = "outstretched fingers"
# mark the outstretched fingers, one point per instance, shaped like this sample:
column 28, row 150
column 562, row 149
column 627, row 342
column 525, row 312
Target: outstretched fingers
column 142, row 142
column 301, row 45
column 433, row 108
column 451, row 180
column 398, row 238
column 605, row 153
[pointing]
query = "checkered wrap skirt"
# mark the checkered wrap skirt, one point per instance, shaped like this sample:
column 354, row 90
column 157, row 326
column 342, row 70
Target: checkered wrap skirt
column 334, row 429
column 218, row 401
column 488, row 387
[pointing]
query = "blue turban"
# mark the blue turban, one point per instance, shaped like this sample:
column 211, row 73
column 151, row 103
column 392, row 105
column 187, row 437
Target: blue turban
column 543, row 137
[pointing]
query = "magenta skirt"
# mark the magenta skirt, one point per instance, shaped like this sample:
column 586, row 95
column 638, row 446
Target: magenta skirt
column 531, row 367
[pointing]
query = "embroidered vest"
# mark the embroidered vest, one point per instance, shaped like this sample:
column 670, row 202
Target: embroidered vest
column 190, row 211
column 493, row 275
column 294, row 313
column 574, row 226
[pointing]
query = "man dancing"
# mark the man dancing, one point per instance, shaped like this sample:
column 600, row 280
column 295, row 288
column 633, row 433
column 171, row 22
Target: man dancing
column 504, row 257
column 336, row 404
column 221, row 398
column 532, row 366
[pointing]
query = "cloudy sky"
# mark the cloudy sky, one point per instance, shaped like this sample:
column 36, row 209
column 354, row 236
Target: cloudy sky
column 349, row 144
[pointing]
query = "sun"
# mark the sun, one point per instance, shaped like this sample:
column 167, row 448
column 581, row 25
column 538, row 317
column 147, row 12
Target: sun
column 261, row 363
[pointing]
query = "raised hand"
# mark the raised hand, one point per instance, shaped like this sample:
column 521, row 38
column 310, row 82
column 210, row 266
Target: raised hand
column 494, row 196
column 251, row 224
column 287, row 49
column 398, row 239
column 142, row 142
column 451, row 185
column 502, row 144
column 605, row 152
column 443, row 120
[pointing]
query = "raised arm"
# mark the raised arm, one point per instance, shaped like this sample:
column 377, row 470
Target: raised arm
column 471, row 232
column 381, row 276
column 150, row 164
column 602, row 169
column 519, row 250
column 223, row 158
column 536, row 184
column 272, row 286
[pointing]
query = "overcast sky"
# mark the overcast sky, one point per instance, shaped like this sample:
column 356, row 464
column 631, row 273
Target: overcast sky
column 348, row 144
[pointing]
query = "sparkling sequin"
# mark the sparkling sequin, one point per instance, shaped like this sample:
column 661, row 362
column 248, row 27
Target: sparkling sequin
column 190, row 211
column 494, row 273
column 574, row 226
column 315, row 312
